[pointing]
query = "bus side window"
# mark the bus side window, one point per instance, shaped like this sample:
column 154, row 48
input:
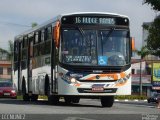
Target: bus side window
column 42, row 35
column 48, row 40
column 36, row 50
column 39, row 36
column 48, row 47
column 42, row 48
column 49, row 33
column 36, row 40
column 45, row 34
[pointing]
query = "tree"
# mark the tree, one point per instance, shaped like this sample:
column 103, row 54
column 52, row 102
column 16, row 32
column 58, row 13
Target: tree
column 155, row 4
column 143, row 52
column 9, row 53
column 10, row 50
column 153, row 29
column 34, row 24
column 153, row 40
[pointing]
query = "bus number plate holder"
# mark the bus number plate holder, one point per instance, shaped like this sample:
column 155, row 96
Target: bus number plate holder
column 98, row 88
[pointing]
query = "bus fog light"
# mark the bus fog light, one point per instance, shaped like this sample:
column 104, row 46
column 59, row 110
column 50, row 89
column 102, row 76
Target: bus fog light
column 73, row 80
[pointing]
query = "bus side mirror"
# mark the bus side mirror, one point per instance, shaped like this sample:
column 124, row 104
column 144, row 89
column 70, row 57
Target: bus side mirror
column 133, row 44
column 133, row 49
column 56, row 33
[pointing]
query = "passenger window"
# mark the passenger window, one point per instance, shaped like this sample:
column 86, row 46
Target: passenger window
column 48, row 47
column 42, row 35
column 42, row 49
column 36, row 38
column 49, row 33
column 36, row 50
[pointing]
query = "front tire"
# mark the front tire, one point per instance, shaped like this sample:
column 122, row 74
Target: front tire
column 107, row 101
column 53, row 99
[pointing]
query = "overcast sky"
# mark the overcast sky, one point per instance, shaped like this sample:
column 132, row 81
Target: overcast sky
column 17, row 15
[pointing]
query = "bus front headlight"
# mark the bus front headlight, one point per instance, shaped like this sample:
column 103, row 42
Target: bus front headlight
column 123, row 80
column 73, row 80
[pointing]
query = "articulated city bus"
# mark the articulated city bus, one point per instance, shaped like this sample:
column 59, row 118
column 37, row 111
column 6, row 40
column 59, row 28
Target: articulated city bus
column 73, row 56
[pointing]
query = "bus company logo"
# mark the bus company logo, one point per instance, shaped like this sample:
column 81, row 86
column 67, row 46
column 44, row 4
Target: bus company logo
column 150, row 117
column 76, row 75
column 97, row 77
column 13, row 116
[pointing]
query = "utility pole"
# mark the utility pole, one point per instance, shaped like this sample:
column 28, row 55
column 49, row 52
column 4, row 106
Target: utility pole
column 140, row 78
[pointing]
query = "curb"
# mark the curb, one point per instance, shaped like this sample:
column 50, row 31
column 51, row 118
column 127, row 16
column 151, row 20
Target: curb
column 42, row 99
column 126, row 100
column 116, row 100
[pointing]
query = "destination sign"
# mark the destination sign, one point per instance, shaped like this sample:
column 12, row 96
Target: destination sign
column 95, row 20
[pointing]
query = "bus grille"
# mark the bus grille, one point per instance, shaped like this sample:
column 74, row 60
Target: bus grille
column 89, row 90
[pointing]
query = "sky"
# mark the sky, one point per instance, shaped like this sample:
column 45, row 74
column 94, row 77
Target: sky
column 16, row 16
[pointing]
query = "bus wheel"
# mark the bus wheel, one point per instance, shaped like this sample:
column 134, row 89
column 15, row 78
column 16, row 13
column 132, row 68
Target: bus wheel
column 75, row 100
column 25, row 96
column 107, row 101
column 34, row 97
column 47, row 87
column 53, row 100
column 68, row 100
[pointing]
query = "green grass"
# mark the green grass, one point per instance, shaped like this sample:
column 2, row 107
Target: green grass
column 130, row 97
column 42, row 97
column 19, row 97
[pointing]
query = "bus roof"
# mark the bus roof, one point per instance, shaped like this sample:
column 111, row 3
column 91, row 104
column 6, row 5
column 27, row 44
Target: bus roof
column 94, row 13
column 58, row 17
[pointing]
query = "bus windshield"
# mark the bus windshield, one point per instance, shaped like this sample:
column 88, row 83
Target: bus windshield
column 96, row 47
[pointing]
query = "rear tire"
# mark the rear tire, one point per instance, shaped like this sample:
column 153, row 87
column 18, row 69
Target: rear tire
column 107, row 101
column 53, row 100
column 68, row 100
column 34, row 97
column 75, row 100
column 26, row 97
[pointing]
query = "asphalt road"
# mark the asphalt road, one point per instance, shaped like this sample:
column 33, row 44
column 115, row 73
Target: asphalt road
column 87, row 109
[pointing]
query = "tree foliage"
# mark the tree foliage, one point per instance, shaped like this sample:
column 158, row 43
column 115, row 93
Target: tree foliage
column 143, row 52
column 153, row 40
column 155, row 4
column 34, row 24
column 9, row 52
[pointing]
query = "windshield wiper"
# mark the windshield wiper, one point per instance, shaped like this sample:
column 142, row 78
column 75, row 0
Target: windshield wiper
column 81, row 31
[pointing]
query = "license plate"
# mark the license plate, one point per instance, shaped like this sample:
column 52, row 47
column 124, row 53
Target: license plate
column 97, row 89
column 6, row 94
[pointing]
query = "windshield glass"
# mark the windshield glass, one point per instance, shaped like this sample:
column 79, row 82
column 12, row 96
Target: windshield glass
column 95, row 47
